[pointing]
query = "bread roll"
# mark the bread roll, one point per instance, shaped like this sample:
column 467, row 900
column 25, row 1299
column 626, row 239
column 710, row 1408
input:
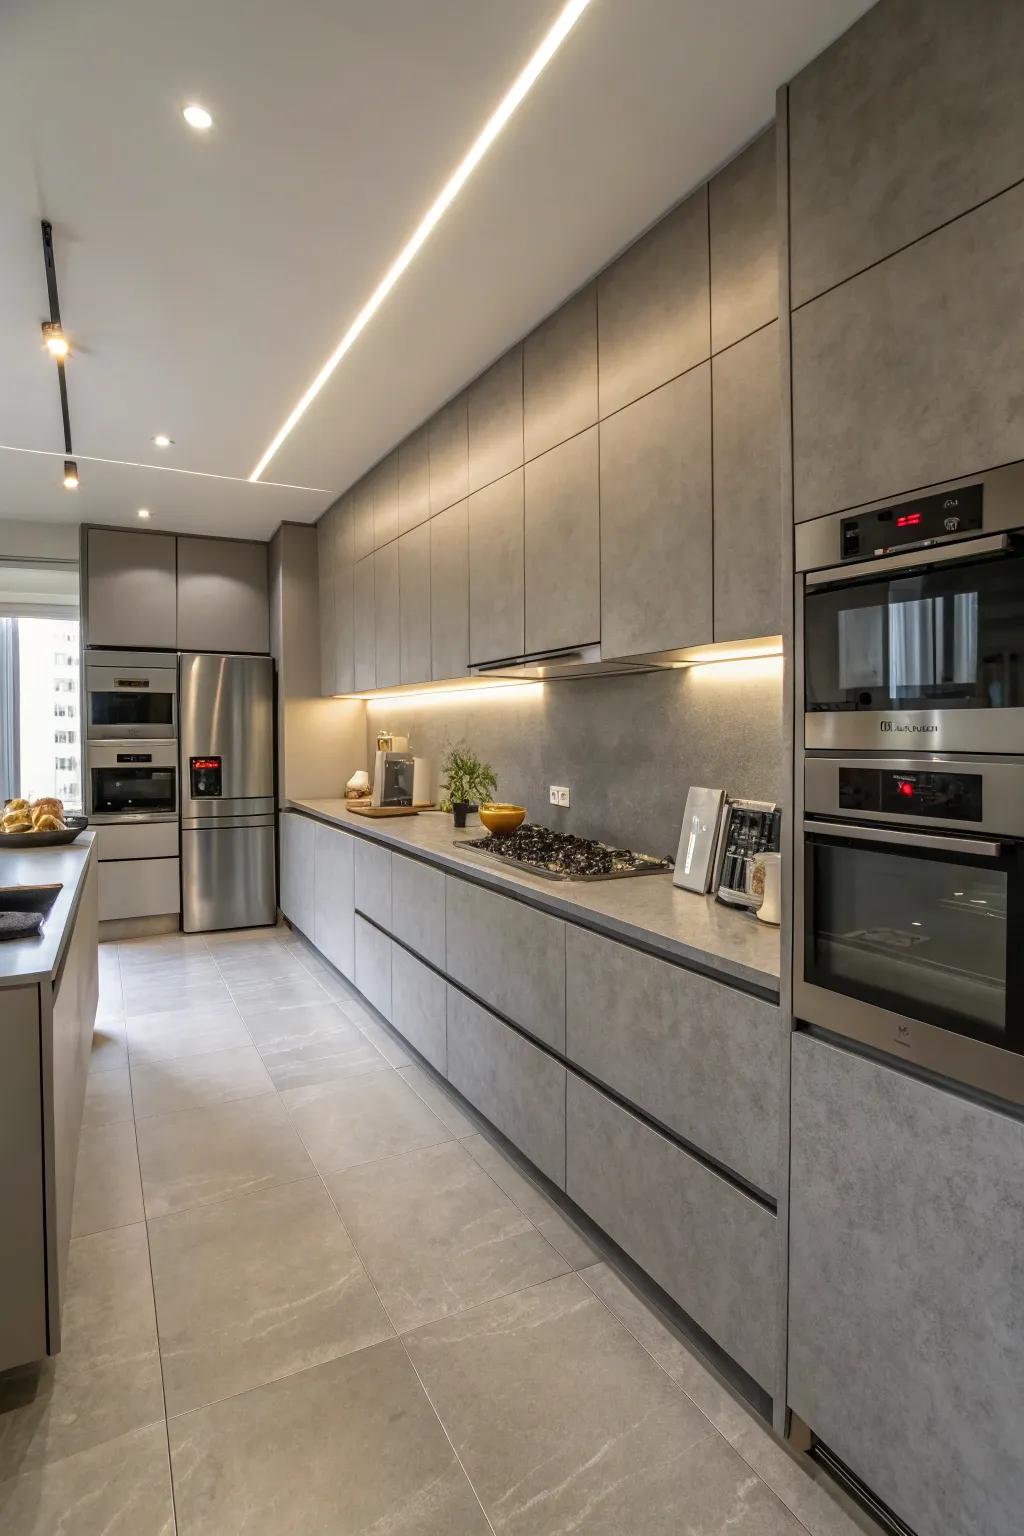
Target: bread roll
column 17, row 823
column 48, row 823
column 17, row 804
column 48, row 805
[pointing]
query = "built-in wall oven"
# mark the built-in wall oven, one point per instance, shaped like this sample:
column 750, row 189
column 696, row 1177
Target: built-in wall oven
column 131, row 695
column 132, row 781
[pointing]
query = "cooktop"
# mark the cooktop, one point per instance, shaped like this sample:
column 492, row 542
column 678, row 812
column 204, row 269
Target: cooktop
column 561, row 856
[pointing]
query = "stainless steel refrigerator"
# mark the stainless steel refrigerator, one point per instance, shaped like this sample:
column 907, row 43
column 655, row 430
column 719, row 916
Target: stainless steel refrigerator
column 226, row 739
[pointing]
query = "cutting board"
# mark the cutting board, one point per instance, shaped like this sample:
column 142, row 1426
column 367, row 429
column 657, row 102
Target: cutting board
column 388, row 810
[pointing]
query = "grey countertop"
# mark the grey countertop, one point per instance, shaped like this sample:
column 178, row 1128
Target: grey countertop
column 26, row 962
column 649, row 911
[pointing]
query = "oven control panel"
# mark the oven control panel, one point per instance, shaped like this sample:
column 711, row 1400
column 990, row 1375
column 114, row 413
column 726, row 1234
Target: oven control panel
column 898, row 792
column 205, row 782
column 911, row 522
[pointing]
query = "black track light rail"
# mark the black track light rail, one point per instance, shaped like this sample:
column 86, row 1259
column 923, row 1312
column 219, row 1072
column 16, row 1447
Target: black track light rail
column 51, row 290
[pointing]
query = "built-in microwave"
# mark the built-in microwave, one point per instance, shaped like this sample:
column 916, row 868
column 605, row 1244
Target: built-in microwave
column 131, row 695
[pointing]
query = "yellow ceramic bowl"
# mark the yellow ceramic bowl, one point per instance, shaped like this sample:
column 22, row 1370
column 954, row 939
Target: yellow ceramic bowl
column 502, row 818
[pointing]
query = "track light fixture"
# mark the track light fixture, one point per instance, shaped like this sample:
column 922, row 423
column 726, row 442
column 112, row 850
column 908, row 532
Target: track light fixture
column 70, row 475
column 55, row 341
column 57, row 345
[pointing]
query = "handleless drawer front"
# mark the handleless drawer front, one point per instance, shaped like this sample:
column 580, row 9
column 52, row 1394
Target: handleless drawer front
column 298, row 843
column 702, row 1058
column 418, row 1006
column 519, row 1088
column 333, row 932
column 417, row 907
column 510, row 955
column 711, row 1247
column 139, row 888
column 373, row 965
column 373, row 882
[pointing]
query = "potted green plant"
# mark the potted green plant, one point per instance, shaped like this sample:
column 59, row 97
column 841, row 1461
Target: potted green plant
column 465, row 781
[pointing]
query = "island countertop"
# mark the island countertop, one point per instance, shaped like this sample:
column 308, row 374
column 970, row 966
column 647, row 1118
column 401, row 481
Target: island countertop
column 26, row 962
column 648, row 911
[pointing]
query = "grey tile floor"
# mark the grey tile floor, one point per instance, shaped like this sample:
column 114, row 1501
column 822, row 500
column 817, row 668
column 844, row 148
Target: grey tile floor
column 309, row 1293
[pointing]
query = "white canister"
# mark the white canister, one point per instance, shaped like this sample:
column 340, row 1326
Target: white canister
column 764, row 880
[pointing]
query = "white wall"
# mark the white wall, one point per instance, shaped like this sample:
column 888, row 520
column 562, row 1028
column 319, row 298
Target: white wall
column 28, row 540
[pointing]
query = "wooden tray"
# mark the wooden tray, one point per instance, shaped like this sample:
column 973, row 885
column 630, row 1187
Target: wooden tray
column 388, row 810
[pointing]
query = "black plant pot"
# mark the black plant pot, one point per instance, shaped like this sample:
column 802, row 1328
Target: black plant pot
column 460, row 810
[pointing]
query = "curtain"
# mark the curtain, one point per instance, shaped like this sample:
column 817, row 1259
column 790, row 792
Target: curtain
column 10, row 767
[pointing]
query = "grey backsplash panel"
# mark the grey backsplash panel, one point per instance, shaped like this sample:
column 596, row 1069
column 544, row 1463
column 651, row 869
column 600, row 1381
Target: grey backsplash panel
column 627, row 747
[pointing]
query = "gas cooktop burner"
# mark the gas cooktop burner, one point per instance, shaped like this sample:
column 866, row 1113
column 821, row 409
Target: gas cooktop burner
column 560, row 856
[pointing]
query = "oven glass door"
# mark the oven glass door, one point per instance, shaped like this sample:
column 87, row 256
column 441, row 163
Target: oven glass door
column 128, row 791
column 949, row 636
column 932, row 934
column 118, row 709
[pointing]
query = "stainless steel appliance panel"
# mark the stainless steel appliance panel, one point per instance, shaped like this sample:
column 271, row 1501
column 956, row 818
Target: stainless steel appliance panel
column 227, row 876
column 227, row 712
column 1001, row 791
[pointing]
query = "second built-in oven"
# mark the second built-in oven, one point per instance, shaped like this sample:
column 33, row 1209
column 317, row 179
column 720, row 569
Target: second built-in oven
column 131, row 694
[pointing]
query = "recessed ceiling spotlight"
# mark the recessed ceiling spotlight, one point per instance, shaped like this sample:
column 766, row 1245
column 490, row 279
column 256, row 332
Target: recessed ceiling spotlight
column 70, row 475
column 143, row 511
column 196, row 116
column 55, row 341
column 162, row 440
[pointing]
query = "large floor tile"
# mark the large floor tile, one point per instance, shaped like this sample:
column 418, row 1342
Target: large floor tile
column 547, row 1216
column 441, row 1099
column 108, row 1192
column 119, row 1488
column 257, row 1288
column 390, row 1045
column 303, row 1046
column 209, row 1154
column 342, row 1124
column 189, row 1082
column 177, row 998
column 299, row 990
column 160, row 947
column 264, row 962
column 108, row 1098
column 436, row 1234
column 564, row 1423
column 351, row 1448
column 106, row 1380
column 159, row 1037
column 109, row 1049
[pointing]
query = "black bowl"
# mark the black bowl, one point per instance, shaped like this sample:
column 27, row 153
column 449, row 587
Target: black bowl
column 76, row 825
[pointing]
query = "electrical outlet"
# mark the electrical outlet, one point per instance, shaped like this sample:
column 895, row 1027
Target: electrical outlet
column 559, row 794
column 553, row 793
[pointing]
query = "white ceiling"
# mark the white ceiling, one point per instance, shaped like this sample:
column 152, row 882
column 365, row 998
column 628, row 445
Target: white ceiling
column 205, row 279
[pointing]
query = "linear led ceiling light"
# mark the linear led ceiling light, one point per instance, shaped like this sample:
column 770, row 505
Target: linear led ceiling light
column 566, row 20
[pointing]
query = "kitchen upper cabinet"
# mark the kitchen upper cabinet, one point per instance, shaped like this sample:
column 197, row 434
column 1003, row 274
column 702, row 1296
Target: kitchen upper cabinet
column 560, row 375
column 449, row 592
column 388, row 666
column 496, row 570
column 495, row 420
column 364, row 627
column 744, row 244
column 414, row 481
column 911, row 117
column 906, row 1332
column 909, row 374
column 361, row 501
column 449, row 455
column 653, row 307
column 131, row 589
column 326, row 536
column 384, row 491
column 344, row 601
column 223, row 602
column 746, row 390
column 656, row 520
column 563, row 546
column 414, row 604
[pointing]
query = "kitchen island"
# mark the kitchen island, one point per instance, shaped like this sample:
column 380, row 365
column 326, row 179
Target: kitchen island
column 48, row 994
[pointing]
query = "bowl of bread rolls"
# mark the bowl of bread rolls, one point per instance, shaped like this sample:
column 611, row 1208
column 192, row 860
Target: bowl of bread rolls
column 38, row 823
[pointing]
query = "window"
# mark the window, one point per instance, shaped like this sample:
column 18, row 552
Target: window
column 38, row 686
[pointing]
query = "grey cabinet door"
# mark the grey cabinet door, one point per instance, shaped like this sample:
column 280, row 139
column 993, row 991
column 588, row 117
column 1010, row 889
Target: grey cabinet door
column 131, row 590
column 560, row 375
column 326, row 570
column 496, row 570
column 418, row 1006
column 563, row 546
column 364, row 624
column 449, row 455
column 744, row 235
column 414, row 604
column 519, row 1088
column 930, row 342
column 746, row 391
column 384, row 490
column 373, row 965
column 653, row 307
column 23, row 1313
column 387, row 617
column 413, row 481
column 361, row 502
column 508, row 954
column 298, row 871
column 333, row 922
column 373, row 881
column 711, row 1247
column 449, row 592
column 417, row 907
column 702, row 1058
column 223, row 602
column 906, row 1334
column 913, row 116
column 494, row 405
column 656, row 520
column 344, row 628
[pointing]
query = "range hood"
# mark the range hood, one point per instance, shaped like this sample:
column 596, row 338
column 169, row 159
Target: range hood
column 557, row 666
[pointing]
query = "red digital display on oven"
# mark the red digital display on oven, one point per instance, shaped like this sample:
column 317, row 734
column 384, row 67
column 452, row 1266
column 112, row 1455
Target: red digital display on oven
column 908, row 519
column 905, row 789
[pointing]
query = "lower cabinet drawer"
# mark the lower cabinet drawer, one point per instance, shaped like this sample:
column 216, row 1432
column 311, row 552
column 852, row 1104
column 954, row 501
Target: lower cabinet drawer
column 518, row 1087
column 139, row 888
column 711, row 1247
column 373, row 881
column 418, row 1006
column 417, row 907
column 373, row 965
